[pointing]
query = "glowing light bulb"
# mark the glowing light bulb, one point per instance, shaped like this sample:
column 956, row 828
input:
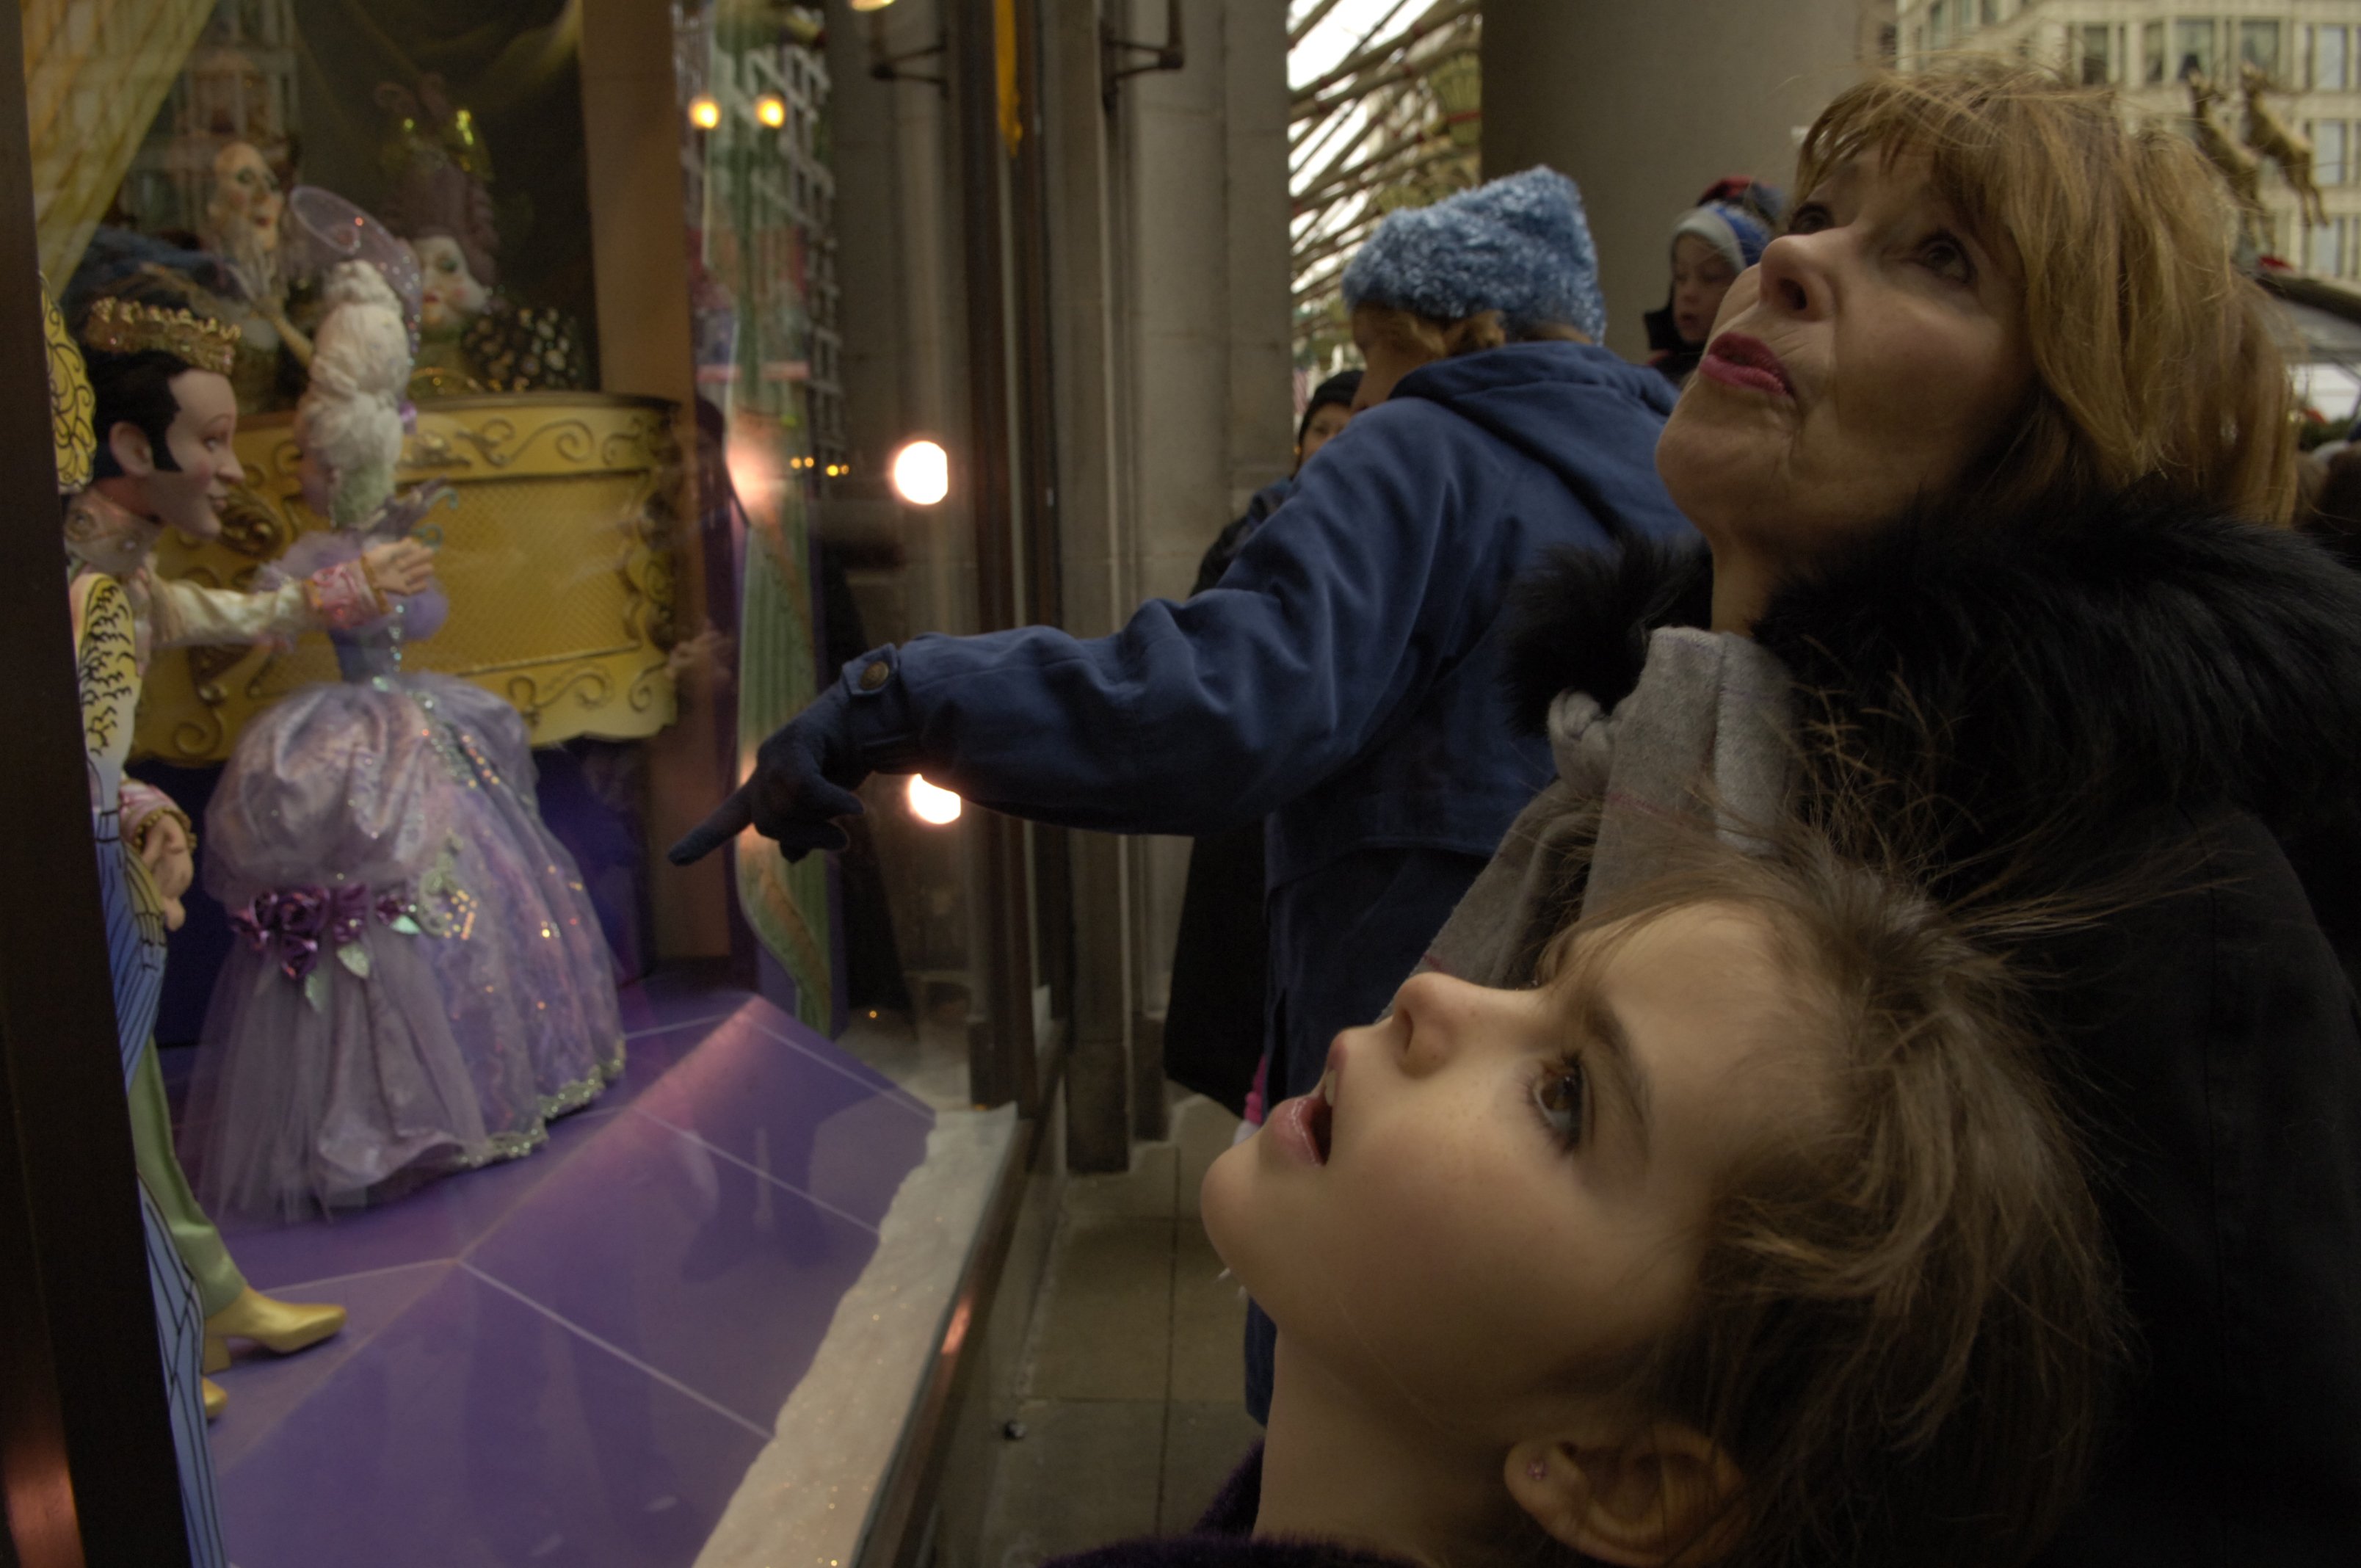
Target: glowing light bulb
column 922, row 473
column 772, row 110
column 932, row 804
column 705, row 111
column 870, row 4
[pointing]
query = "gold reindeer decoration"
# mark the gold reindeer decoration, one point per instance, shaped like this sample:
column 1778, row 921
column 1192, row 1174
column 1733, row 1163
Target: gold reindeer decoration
column 2240, row 168
column 2270, row 137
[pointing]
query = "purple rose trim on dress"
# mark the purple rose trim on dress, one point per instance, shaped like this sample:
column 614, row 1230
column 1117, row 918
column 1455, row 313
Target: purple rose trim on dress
column 295, row 919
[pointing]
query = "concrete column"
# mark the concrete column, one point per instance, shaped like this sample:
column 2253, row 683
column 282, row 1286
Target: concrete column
column 1096, row 544
column 1646, row 105
column 1262, row 397
column 1204, row 403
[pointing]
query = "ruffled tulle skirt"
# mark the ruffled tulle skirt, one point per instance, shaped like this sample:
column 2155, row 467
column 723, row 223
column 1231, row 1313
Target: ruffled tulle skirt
column 423, row 984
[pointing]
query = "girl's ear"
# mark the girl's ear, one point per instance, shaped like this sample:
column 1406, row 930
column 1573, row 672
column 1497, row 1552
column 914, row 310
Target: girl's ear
column 1667, row 1495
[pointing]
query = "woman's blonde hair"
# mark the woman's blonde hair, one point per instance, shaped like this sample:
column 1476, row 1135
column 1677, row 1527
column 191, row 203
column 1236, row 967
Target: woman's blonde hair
column 1905, row 1318
column 2154, row 357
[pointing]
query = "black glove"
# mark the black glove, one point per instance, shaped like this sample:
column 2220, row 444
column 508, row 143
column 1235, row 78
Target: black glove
column 804, row 776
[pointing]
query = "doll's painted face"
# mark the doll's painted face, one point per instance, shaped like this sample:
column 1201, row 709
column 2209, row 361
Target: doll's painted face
column 1507, row 1194
column 187, row 495
column 246, row 206
column 449, row 295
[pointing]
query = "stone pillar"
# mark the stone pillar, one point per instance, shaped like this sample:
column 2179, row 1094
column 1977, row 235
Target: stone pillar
column 1203, row 397
column 1096, row 532
column 1262, row 394
column 1646, row 105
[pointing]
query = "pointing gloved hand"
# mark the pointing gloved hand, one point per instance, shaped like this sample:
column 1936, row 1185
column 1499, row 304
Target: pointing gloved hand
column 804, row 776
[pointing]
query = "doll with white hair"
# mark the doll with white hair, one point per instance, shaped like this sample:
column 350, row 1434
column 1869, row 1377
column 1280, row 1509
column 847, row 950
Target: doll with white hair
column 423, row 983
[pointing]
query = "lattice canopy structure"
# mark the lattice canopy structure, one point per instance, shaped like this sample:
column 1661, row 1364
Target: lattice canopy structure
column 1386, row 112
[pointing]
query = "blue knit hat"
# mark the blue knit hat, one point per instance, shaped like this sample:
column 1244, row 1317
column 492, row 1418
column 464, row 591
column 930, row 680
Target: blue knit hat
column 1519, row 246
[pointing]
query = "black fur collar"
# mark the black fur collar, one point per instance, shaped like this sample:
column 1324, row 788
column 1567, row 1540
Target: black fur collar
column 2093, row 661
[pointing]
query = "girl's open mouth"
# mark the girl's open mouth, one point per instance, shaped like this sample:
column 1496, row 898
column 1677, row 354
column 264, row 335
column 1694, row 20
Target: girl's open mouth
column 1301, row 1125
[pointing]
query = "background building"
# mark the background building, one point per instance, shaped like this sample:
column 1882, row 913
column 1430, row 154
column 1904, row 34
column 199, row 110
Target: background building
column 2144, row 47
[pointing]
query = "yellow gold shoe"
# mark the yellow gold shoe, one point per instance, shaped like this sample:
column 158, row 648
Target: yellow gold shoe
column 215, row 1400
column 284, row 1327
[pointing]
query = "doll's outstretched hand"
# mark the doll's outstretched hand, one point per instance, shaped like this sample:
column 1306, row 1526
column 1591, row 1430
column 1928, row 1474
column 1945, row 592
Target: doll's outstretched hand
column 803, row 777
column 402, row 566
column 171, row 864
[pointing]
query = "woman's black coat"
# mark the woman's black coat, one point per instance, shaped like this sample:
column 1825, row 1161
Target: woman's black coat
column 2137, row 685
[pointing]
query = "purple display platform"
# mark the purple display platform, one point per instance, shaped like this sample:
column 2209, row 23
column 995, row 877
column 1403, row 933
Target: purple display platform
column 572, row 1358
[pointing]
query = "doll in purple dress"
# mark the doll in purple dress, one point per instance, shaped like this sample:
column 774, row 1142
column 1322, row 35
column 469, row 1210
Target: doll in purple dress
column 423, row 983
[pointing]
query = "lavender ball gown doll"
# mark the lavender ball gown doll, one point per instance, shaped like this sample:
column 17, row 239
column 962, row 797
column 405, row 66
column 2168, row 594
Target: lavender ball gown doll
column 423, row 983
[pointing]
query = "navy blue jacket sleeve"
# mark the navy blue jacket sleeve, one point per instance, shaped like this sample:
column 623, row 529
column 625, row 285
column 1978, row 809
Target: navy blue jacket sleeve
column 1208, row 714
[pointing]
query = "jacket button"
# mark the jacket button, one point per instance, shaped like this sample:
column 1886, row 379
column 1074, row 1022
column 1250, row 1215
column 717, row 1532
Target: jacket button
column 876, row 676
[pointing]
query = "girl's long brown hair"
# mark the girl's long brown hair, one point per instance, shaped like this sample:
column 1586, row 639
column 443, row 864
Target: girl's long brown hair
column 1906, row 1323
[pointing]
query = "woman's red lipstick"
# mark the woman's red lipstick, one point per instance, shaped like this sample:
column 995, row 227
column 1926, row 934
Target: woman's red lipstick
column 1737, row 360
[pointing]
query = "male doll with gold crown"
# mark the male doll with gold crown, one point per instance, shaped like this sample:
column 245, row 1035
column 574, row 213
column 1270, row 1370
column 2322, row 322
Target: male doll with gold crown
column 163, row 416
column 137, row 972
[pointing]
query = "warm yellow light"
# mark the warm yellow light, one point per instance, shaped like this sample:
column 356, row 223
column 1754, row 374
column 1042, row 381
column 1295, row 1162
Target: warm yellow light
column 772, row 110
column 922, row 473
column 870, row 4
column 705, row 111
column 929, row 803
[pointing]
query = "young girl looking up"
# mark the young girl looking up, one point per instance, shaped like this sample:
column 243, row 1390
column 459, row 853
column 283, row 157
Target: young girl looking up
column 1750, row 1236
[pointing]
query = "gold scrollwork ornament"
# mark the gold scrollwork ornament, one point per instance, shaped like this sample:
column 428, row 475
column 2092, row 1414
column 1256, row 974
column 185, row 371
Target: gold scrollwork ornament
column 72, row 402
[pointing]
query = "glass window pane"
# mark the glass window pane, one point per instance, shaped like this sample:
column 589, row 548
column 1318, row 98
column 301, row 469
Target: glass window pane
column 2152, row 53
column 1941, row 24
column 1991, row 11
column 2328, row 152
column 2193, row 47
column 2329, row 61
column 2095, row 56
column 2259, row 46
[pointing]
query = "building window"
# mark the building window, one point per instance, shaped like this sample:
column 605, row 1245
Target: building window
column 1991, row 11
column 2331, row 66
column 2328, row 140
column 2152, row 53
column 2327, row 257
column 2093, row 55
column 2192, row 47
column 2259, row 46
column 1939, row 25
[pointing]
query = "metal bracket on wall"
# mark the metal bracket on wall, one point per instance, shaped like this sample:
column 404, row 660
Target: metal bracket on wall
column 887, row 67
column 1170, row 55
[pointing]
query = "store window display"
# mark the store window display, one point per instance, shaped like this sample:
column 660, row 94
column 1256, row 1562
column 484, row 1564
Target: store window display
column 136, row 913
column 585, row 1350
column 473, row 337
column 423, row 983
column 244, row 228
column 164, row 417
